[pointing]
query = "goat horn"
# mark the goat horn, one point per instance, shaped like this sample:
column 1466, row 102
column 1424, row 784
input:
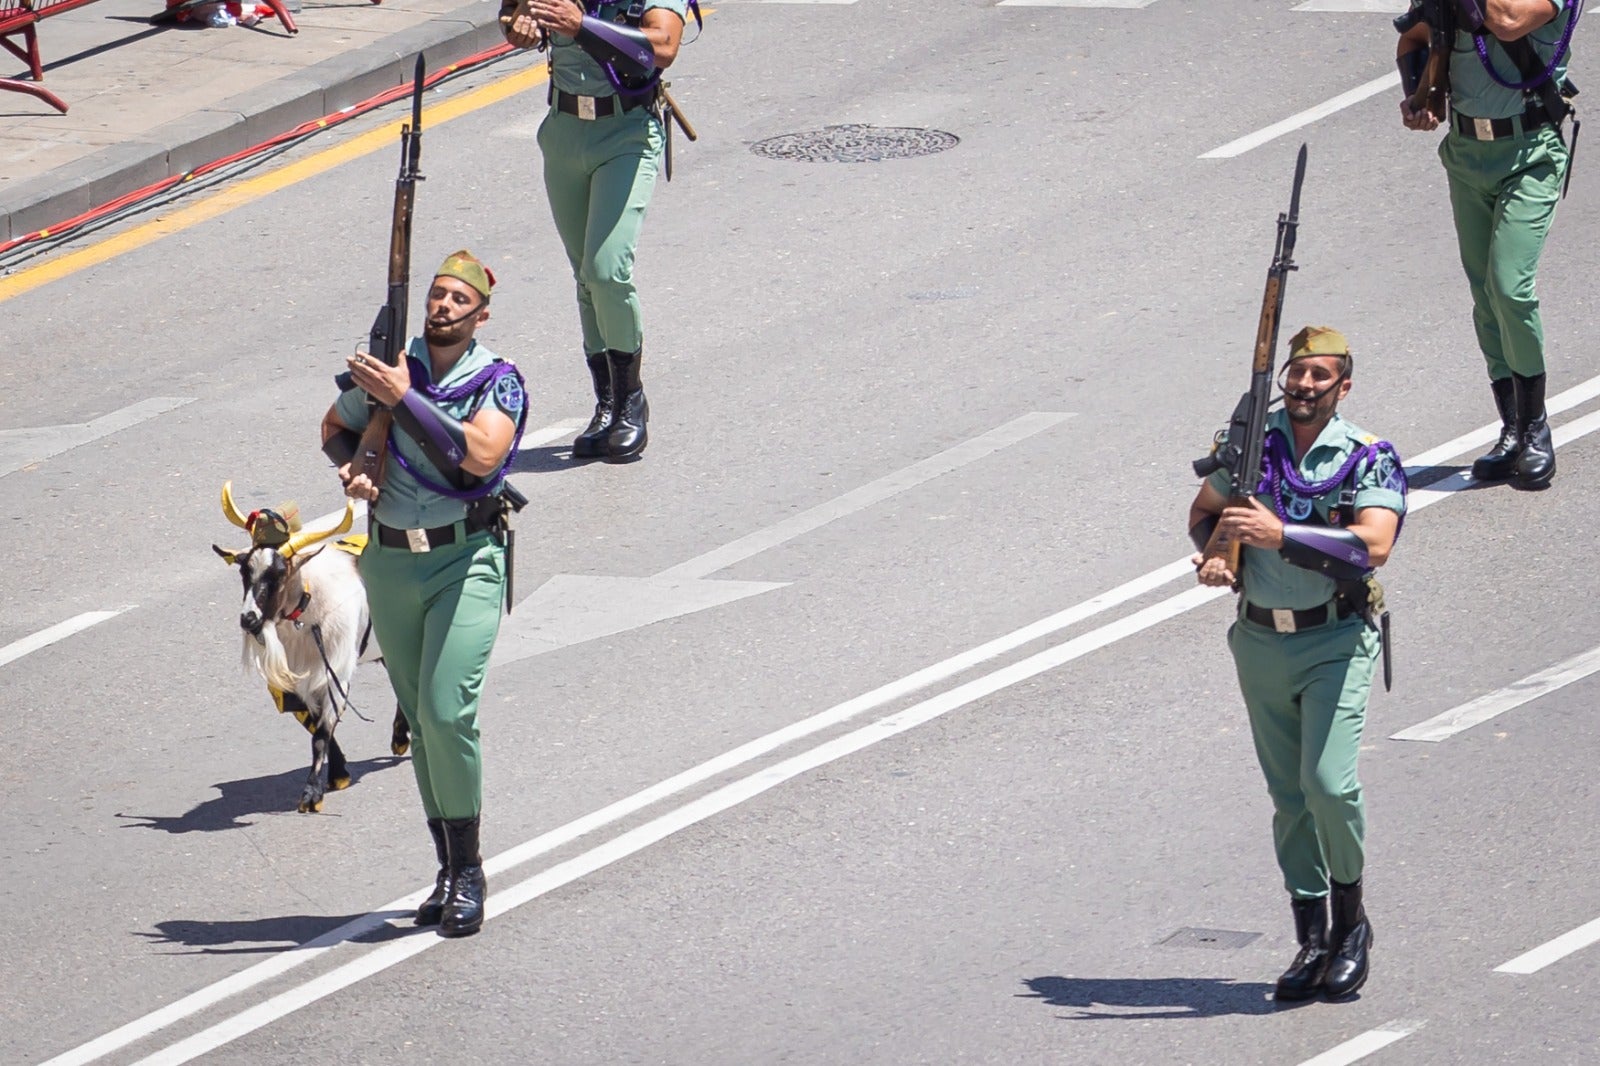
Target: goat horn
column 230, row 510
column 305, row 538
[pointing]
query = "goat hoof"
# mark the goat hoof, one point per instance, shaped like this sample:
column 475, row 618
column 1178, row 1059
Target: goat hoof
column 339, row 784
column 399, row 746
column 310, row 805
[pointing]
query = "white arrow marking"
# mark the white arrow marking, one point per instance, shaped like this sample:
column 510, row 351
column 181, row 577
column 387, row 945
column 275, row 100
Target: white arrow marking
column 22, row 447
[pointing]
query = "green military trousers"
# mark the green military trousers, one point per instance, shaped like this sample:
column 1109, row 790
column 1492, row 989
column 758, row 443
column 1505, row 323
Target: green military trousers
column 1504, row 194
column 436, row 615
column 1307, row 697
column 599, row 174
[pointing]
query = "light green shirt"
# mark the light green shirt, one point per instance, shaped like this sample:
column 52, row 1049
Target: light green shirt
column 403, row 502
column 1474, row 93
column 572, row 70
column 1268, row 580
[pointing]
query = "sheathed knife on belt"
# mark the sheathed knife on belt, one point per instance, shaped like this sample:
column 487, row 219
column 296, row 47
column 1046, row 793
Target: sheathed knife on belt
column 1383, row 640
column 670, row 116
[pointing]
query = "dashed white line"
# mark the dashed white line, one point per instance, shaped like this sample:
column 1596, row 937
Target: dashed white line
column 1360, row 1047
column 1305, row 118
column 1476, row 712
column 1556, row 950
column 61, row 630
column 21, row 447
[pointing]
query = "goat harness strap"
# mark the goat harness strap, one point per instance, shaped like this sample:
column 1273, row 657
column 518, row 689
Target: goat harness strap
column 300, row 608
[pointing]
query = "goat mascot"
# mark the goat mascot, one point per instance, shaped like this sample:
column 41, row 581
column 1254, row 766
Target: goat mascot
column 305, row 627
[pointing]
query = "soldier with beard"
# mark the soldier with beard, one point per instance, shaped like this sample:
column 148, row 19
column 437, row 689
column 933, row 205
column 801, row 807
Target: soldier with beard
column 435, row 564
column 1307, row 641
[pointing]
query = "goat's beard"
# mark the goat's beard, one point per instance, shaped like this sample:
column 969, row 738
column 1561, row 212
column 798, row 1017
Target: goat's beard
column 265, row 655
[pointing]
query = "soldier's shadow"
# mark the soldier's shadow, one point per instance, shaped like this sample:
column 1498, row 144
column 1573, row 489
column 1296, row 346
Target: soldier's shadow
column 1152, row 997
column 272, row 935
column 275, row 794
column 545, row 460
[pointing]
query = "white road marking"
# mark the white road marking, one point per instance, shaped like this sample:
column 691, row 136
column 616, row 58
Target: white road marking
column 46, row 637
column 1374, row 7
column 1476, row 712
column 1556, row 950
column 22, row 447
column 1360, row 1047
column 1018, row 429
column 272, row 968
column 1305, row 118
column 1076, row 3
column 636, row 840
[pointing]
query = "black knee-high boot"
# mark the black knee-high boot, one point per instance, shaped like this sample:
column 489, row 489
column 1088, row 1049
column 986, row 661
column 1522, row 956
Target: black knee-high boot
column 1501, row 460
column 1536, row 464
column 1352, row 940
column 628, row 436
column 1303, row 978
column 432, row 908
column 463, row 907
column 592, row 441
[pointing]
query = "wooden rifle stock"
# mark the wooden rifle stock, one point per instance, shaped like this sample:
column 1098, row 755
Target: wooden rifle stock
column 1432, row 91
column 387, row 340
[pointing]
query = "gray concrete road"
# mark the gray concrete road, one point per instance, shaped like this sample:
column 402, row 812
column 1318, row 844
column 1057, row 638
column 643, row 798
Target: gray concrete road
column 965, row 777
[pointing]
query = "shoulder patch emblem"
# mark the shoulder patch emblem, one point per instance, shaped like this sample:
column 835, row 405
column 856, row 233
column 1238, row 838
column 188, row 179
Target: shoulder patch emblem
column 1389, row 474
column 508, row 395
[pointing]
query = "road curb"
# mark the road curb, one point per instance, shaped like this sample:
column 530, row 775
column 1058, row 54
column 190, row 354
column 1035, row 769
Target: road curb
column 249, row 118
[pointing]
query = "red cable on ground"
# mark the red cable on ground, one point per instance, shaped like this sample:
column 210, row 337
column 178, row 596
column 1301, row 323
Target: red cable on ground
column 305, row 129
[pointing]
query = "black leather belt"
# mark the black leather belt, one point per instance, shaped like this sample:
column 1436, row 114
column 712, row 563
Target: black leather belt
column 421, row 540
column 1495, row 129
column 597, row 106
column 1287, row 621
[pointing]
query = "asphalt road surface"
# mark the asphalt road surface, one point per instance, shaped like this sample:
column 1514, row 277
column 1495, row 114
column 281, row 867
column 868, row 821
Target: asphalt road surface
column 873, row 717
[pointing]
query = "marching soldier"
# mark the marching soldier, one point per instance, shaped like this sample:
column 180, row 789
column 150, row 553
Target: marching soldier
column 602, row 142
column 1307, row 641
column 435, row 565
column 1506, row 161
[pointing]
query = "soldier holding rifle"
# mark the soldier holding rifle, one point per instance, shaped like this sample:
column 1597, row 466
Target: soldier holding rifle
column 1298, row 508
column 1495, row 71
column 603, row 140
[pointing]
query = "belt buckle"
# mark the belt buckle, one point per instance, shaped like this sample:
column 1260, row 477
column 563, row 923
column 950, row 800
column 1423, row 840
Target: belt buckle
column 1283, row 620
column 1483, row 129
column 417, row 540
column 586, row 108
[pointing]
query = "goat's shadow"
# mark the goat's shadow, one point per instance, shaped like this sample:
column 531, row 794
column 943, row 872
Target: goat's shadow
column 273, row 935
column 275, row 794
column 1153, row 997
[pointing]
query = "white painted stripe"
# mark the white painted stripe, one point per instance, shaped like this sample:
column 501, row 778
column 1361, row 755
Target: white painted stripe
column 22, row 447
column 553, row 432
column 1372, row 7
column 61, row 630
column 1476, row 712
column 837, row 2
column 1556, row 950
column 1305, row 118
column 636, row 840
column 1018, row 429
column 271, row 968
column 1360, row 1047
column 1076, row 3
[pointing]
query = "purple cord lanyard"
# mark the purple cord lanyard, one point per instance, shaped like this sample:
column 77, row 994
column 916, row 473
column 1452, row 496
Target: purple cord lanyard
column 1482, row 44
column 1278, row 468
column 485, row 377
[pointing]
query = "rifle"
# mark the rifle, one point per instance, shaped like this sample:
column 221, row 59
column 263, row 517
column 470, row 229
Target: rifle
column 387, row 341
column 1425, row 72
column 1238, row 448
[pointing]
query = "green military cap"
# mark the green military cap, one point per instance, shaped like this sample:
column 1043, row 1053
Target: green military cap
column 1318, row 340
column 464, row 266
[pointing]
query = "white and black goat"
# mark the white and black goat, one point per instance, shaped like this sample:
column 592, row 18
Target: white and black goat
column 305, row 627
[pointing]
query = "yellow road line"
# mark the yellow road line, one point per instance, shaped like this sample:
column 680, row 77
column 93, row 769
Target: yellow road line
column 253, row 189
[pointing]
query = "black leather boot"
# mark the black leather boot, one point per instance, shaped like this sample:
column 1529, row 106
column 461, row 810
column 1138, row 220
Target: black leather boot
column 1303, row 978
column 463, row 907
column 1536, row 464
column 432, row 908
column 1501, row 460
column 627, row 437
column 592, row 441
column 1351, row 940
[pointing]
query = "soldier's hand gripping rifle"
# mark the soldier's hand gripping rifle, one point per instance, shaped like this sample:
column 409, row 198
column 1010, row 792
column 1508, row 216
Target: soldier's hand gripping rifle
column 387, row 341
column 1425, row 72
column 1238, row 448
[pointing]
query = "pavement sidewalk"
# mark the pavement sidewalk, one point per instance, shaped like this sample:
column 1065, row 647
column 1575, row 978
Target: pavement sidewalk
column 147, row 102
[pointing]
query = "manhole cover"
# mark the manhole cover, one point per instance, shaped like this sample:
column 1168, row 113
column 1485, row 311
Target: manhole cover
column 855, row 144
column 1220, row 939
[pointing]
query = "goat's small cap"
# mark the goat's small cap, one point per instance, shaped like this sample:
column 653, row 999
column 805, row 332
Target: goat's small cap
column 464, row 266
